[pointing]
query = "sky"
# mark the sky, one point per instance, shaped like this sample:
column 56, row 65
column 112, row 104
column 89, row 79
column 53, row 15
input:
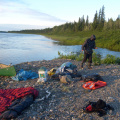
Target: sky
column 40, row 14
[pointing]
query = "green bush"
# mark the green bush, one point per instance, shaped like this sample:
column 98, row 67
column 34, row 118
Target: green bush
column 96, row 58
column 71, row 56
column 80, row 56
column 118, row 60
column 110, row 59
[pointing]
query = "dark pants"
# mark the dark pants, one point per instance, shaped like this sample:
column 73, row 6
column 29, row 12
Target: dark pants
column 87, row 56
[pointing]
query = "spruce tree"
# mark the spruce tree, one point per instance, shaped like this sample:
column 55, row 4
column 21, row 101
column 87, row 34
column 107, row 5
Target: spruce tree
column 95, row 21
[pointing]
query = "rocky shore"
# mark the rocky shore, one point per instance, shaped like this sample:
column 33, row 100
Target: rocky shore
column 59, row 101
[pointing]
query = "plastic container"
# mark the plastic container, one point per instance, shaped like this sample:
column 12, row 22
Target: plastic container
column 42, row 75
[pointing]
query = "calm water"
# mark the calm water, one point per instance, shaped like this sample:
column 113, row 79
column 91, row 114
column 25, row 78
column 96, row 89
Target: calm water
column 17, row 48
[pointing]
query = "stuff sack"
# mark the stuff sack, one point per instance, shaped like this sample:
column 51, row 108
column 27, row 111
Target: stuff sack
column 68, row 65
column 94, row 85
column 51, row 72
column 91, row 77
column 65, row 78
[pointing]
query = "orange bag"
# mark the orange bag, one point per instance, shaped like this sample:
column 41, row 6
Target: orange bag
column 94, row 85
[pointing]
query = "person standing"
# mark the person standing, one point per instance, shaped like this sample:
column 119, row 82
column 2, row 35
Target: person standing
column 87, row 47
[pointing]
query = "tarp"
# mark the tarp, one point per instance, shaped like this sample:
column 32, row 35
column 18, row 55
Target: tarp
column 24, row 75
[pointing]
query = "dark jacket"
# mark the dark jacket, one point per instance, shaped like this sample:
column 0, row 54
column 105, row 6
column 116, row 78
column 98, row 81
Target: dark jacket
column 89, row 44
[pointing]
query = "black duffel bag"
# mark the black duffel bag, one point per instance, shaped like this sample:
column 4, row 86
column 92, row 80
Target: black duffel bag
column 91, row 77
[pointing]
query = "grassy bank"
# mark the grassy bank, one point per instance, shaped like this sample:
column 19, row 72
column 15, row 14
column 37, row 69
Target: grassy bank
column 105, row 39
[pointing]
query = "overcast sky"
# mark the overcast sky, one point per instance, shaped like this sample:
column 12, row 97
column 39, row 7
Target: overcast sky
column 38, row 14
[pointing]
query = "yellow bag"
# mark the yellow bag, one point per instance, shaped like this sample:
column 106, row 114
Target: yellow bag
column 52, row 71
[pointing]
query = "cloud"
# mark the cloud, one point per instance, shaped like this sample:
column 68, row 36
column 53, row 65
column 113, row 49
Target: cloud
column 13, row 12
column 10, row 27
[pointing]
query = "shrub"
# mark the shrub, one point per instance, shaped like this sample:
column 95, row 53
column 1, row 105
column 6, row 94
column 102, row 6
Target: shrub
column 71, row 56
column 118, row 60
column 80, row 56
column 96, row 59
column 110, row 59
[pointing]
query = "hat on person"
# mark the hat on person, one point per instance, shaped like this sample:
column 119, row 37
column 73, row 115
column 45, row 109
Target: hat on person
column 93, row 37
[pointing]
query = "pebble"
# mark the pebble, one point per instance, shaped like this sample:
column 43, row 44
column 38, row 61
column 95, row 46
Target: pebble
column 111, row 99
column 83, row 115
column 11, row 81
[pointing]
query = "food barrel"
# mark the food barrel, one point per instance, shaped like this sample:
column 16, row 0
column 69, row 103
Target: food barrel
column 42, row 72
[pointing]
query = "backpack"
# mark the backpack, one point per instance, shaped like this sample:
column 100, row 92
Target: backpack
column 100, row 107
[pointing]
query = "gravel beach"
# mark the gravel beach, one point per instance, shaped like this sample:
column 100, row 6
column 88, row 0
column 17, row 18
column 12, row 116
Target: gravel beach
column 59, row 101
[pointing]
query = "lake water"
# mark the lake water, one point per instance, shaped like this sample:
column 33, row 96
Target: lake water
column 17, row 48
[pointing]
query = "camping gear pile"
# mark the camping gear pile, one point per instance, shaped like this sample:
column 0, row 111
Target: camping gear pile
column 64, row 73
column 14, row 101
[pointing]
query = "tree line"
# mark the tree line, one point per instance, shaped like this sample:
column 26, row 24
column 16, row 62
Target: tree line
column 99, row 23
